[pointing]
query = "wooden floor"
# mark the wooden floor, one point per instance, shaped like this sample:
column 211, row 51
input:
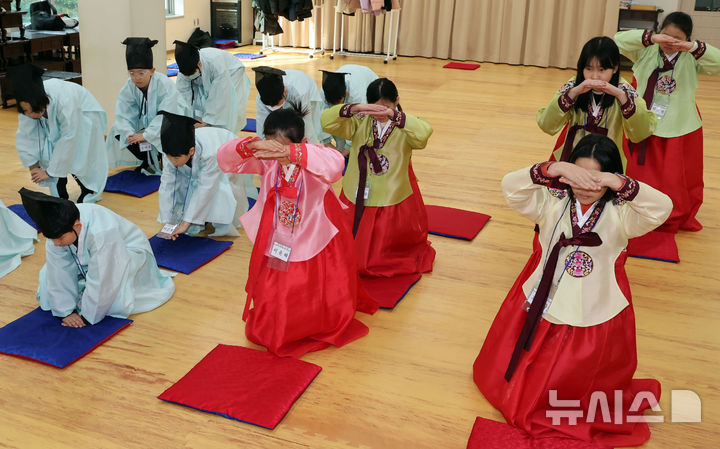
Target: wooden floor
column 409, row 382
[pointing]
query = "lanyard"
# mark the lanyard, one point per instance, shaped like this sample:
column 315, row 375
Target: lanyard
column 77, row 261
column 143, row 105
column 297, row 201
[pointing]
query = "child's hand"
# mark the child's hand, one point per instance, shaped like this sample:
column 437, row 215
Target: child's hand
column 368, row 109
column 586, row 86
column 614, row 91
column 135, row 138
column 200, row 124
column 384, row 114
column 663, row 39
column 180, row 229
column 265, row 145
column 609, row 180
column 39, row 175
column 680, row 46
column 270, row 149
column 574, row 176
column 73, row 320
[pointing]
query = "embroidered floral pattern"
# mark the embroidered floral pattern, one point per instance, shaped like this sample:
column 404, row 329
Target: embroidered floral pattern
column 297, row 152
column 590, row 223
column 242, row 149
column 384, row 165
column 647, row 38
column 293, row 176
column 537, row 176
column 578, row 264
column 629, row 190
column 378, row 141
column 557, row 193
column 565, row 102
column 399, row 118
column 629, row 90
column 628, row 109
column 567, row 86
column 286, row 213
column 666, row 84
column 345, row 110
column 700, row 51
column 618, row 202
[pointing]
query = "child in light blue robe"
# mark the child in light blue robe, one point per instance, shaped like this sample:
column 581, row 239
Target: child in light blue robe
column 286, row 89
column 17, row 239
column 135, row 136
column 213, row 86
column 97, row 262
column 61, row 131
column 194, row 191
column 348, row 85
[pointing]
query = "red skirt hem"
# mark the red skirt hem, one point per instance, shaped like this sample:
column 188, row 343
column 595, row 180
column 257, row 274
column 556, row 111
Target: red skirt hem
column 311, row 305
column 393, row 240
column 573, row 361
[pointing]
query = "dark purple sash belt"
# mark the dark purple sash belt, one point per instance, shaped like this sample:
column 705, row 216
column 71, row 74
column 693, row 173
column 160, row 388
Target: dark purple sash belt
column 362, row 179
column 541, row 295
column 648, row 97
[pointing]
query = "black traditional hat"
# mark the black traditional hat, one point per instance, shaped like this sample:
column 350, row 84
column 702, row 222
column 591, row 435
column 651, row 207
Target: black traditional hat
column 177, row 133
column 138, row 53
column 264, row 72
column 187, row 57
column 335, row 76
column 334, row 87
column 53, row 216
column 270, row 85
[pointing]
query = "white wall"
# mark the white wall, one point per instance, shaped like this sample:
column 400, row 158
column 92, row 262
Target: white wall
column 196, row 14
column 104, row 24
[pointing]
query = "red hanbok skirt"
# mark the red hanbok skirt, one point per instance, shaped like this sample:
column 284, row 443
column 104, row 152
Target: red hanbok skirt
column 574, row 361
column 312, row 305
column 675, row 167
column 392, row 240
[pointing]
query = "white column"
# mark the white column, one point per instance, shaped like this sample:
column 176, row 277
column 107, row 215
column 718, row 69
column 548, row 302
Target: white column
column 104, row 24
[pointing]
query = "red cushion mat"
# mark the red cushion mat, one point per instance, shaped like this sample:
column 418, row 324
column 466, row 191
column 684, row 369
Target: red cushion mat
column 455, row 223
column 461, row 65
column 488, row 434
column 389, row 291
column 240, row 383
column 656, row 245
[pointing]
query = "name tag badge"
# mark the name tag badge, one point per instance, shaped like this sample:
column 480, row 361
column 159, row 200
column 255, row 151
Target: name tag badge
column 279, row 256
column 366, row 194
column 659, row 110
column 167, row 231
column 145, row 146
column 531, row 296
column 280, row 251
